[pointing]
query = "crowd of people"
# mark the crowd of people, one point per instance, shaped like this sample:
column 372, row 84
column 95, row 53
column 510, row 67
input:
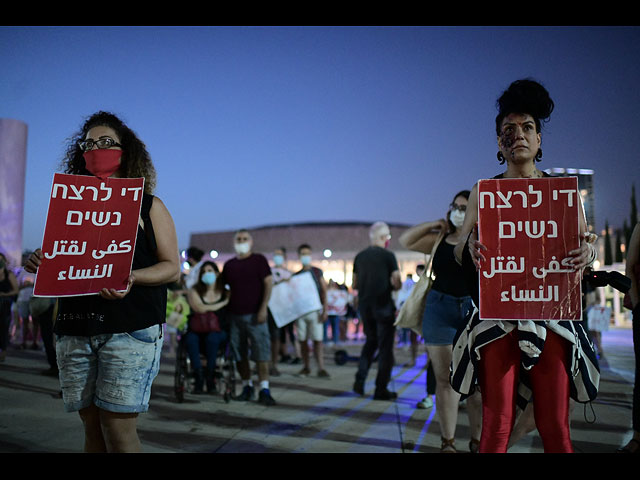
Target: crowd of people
column 487, row 364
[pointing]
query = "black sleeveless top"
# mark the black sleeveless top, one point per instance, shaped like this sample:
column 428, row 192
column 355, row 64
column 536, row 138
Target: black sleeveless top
column 448, row 272
column 142, row 307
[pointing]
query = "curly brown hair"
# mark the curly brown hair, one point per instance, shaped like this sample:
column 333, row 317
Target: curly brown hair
column 136, row 161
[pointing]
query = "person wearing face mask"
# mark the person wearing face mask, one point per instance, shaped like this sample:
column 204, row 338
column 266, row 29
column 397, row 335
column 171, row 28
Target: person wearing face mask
column 310, row 327
column 108, row 345
column 447, row 305
column 375, row 277
column 8, row 292
column 207, row 295
column 249, row 278
column 496, row 355
column 278, row 335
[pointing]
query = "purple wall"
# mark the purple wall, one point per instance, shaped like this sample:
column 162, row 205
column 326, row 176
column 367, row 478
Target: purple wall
column 13, row 162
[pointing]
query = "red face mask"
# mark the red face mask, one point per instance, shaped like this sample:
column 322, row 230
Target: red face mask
column 102, row 162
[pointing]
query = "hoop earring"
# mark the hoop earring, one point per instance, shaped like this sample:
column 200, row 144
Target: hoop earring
column 538, row 157
column 501, row 158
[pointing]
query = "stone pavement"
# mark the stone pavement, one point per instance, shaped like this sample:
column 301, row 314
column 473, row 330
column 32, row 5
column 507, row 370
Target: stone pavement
column 312, row 415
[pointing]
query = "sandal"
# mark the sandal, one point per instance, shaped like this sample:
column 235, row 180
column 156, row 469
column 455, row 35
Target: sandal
column 628, row 448
column 474, row 445
column 448, row 445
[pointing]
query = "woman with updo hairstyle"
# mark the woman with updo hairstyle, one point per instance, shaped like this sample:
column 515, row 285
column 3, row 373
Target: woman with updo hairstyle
column 493, row 354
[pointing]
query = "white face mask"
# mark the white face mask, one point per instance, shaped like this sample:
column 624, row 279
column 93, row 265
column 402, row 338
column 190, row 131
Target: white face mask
column 306, row 260
column 242, row 248
column 457, row 218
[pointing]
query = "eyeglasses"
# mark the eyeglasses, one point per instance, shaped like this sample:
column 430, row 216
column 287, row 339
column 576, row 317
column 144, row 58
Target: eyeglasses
column 461, row 208
column 104, row 142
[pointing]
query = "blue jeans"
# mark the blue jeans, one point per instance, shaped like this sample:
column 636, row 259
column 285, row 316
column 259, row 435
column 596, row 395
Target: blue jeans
column 211, row 341
column 334, row 322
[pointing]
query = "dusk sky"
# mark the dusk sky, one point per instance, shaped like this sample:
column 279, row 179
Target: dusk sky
column 253, row 126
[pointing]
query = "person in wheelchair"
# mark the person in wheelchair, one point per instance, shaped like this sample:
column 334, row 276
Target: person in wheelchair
column 207, row 299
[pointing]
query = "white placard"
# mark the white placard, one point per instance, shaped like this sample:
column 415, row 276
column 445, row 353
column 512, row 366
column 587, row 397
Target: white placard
column 293, row 298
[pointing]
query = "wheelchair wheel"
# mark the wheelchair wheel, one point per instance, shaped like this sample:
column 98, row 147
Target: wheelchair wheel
column 227, row 369
column 181, row 374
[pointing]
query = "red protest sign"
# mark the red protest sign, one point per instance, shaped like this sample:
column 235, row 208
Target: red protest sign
column 90, row 235
column 528, row 227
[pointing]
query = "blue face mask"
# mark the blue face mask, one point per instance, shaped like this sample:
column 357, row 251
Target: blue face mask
column 278, row 260
column 306, row 260
column 209, row 278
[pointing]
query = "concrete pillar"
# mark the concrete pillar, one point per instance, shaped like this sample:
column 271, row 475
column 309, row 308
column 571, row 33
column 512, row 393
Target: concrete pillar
column 13, row 163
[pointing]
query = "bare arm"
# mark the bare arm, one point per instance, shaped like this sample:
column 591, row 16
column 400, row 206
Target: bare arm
column 197, row 305
column 396, row 280
column 262, row 312
column 585, row 254
column 422, row 237
column 633, row 257
column 167, row 269
column 469, row 227
column 323, row 298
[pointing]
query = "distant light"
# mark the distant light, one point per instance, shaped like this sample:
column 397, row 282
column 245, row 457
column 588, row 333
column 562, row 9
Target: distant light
column 213, row 254
column 184, row 254
column 327, row 253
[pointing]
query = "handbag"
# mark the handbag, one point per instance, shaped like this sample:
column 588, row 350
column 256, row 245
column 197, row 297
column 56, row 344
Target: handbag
column 412, row 310
column 204, row 322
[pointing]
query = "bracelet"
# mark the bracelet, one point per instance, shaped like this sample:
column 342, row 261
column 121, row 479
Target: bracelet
column 594, row 255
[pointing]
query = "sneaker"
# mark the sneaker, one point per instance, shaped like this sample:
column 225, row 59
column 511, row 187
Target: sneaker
column 425, row 403
column 358, row 387
column 304, row 371
column 265, row 398
column 384, row 395
column 247, row 394
column 323, row 374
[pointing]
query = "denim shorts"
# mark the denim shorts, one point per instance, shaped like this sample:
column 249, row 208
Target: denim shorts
column 443, row 316
column 246, row 332
column 114, row 371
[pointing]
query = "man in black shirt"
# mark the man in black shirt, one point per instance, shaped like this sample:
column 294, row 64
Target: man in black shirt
column 375, row 276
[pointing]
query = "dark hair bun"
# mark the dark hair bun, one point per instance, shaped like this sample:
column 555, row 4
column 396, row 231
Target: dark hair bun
column 525, row 96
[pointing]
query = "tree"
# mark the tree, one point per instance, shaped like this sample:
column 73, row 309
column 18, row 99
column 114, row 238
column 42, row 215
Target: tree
column 618, row 251
column 634, row 208
column 607, row 244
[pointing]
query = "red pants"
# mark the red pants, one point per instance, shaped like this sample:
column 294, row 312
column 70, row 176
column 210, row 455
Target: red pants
column 498, row 377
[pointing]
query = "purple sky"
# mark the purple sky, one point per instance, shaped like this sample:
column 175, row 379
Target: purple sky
column 251, row 126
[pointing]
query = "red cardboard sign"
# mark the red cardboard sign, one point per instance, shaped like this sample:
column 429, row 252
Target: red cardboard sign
column 90, row 235
column 528, row 227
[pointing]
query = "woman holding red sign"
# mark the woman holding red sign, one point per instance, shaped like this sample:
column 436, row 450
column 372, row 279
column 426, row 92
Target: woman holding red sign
column 109, row 345
column 514, row 361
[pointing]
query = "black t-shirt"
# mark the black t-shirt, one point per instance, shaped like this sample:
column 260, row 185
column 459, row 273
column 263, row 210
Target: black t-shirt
column 373, row 267
column 245, row 278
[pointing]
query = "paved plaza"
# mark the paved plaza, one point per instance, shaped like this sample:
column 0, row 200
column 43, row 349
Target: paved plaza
column 312, row 415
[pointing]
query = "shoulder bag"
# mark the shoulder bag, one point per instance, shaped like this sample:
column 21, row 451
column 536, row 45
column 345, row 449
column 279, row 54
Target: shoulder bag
column 204, row 322
column 412, row 310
